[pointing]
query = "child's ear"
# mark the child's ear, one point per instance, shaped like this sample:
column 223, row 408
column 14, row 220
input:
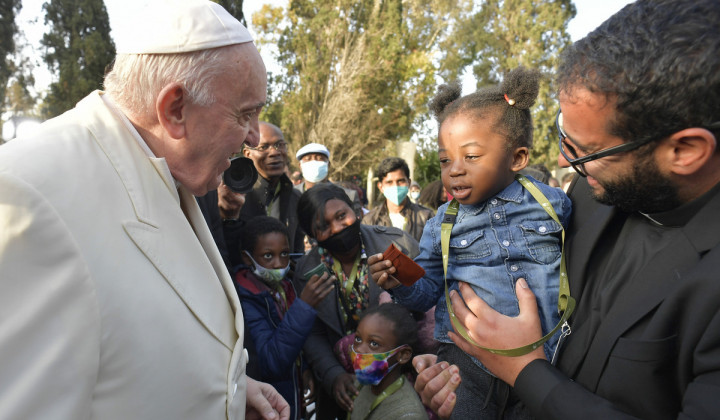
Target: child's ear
column 404, row 355
column 245, row 259
column 520, row 157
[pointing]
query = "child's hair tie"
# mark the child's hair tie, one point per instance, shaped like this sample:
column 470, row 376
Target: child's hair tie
column 510, row 102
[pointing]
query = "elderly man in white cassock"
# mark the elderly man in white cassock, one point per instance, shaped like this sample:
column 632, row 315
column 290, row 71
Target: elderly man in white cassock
column 114, row 300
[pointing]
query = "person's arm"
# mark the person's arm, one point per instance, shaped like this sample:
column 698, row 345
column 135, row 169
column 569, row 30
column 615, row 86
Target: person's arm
column 549, row 393
column 277, row 348
column 49, row 317
column 422, row 295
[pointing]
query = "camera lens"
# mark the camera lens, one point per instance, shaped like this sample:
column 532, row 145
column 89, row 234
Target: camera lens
column 241, row 175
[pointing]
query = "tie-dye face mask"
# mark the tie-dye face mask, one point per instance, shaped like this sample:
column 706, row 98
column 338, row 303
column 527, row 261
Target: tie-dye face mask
column 371, row 368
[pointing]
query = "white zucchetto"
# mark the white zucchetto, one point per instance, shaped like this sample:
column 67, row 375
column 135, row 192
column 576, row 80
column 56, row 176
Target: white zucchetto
column 178, row 26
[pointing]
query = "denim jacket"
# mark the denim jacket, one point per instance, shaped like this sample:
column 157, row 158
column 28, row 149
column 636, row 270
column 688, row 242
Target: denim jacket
column 492, row 245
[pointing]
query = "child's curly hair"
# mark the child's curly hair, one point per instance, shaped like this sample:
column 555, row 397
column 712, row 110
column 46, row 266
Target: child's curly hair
column 509, row 103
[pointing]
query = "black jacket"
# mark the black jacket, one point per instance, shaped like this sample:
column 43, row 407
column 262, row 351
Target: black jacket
column 657, row 352
column 415, row 215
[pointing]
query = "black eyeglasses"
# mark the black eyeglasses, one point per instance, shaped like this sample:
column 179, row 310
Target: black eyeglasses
column 280, row 146
column 578, row 163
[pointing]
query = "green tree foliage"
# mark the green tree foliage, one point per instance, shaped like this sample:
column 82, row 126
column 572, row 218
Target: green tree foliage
column 358, row 75
column 503, row 35
column 355, row 74
column 427, row 166
column 78, row 50
column 8, row 10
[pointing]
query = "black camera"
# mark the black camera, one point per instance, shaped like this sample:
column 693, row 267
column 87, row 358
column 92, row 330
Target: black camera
column 241, row 175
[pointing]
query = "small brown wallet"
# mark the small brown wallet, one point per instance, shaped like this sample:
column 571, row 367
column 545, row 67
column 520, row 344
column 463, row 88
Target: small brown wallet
column 406, row 270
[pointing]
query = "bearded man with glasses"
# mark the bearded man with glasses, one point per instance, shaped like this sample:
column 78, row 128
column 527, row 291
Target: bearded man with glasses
column 639, row 122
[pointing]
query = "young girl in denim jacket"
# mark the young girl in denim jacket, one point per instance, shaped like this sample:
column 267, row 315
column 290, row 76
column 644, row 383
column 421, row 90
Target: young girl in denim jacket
column 501, row 234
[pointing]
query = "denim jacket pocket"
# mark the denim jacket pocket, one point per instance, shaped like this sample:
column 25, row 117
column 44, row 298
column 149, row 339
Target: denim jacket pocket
column 469, row 246
column 542, row 239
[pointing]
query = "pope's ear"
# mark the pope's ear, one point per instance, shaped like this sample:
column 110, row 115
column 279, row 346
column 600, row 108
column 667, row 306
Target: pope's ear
column 171, row 109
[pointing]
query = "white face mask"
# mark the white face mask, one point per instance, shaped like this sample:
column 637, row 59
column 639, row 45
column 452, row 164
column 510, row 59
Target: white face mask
column 270, row 276
column 414, row 195
column 314, row 170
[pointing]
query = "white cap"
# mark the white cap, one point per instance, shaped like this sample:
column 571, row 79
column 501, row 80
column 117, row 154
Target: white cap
column 172, row 26
column 312, row 148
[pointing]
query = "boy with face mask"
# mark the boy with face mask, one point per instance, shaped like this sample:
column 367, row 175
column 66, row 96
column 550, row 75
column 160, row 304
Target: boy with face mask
column 397, row 209
column 277, row 322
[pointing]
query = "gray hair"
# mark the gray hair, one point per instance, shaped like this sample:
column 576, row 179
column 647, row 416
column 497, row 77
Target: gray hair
column 136, row 80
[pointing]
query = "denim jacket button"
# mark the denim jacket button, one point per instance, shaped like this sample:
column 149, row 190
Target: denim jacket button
column 542, row 229
column 513, row 268
column 463, row 242
column 496, row 215
column 493, row 201
column 506, row 243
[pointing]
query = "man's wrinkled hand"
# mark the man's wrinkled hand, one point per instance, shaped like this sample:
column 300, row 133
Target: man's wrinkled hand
column 436, row 383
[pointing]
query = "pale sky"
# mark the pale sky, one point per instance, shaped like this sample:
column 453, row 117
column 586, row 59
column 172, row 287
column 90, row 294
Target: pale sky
column 590, row 13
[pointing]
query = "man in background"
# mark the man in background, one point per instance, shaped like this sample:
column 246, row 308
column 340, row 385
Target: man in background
column 314, row 161
column 397, row 209
column 273, row 193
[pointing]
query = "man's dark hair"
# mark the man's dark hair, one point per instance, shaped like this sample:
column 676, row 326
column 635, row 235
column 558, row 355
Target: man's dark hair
column 392, row 164
column 520, row 87
column 659, row 59
column 257, row 227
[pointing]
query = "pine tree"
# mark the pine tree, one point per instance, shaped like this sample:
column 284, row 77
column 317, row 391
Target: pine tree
column 78, row 50
column 8, row 10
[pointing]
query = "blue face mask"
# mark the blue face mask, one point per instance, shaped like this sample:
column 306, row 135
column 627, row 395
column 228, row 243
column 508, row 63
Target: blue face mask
column 396, row 195
column 314, row 170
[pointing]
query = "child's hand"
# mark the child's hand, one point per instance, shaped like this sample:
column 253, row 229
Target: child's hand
column 317, row 288
column 382, row 272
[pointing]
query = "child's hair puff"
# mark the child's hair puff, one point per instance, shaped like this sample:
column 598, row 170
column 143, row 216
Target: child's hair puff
column 509, row 103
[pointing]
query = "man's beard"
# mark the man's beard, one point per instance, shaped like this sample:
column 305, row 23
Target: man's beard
column 646, row 190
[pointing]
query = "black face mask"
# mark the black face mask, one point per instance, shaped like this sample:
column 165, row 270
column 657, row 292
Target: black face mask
column 343, row 241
